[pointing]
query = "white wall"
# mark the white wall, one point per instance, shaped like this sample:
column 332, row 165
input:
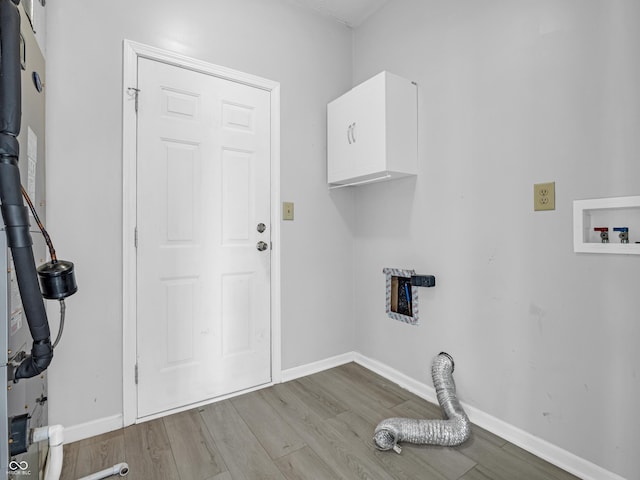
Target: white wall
column 311, row 58
column 512, row 94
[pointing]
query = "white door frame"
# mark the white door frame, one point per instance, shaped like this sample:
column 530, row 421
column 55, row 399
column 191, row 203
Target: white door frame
column 133, row 51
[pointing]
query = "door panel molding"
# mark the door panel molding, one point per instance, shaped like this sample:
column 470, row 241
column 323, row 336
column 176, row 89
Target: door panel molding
column 132, row 51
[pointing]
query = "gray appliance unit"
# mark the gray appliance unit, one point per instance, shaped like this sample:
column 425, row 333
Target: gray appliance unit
column 24, row 401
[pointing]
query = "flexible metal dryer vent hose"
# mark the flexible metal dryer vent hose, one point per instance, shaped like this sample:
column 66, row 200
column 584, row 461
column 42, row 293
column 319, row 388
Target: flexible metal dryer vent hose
column 455, row 430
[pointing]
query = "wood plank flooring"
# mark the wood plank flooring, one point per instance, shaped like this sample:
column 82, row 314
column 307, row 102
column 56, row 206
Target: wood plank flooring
column 318, row 427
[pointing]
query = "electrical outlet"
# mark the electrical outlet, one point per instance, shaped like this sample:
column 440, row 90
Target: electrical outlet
column 287, row 210
column 544, row 196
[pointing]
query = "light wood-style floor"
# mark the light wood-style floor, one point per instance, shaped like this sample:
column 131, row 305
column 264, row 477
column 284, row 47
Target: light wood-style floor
column 318, row 427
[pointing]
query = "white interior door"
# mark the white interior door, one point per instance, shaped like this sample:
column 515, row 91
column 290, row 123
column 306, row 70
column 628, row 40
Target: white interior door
column 203, row 286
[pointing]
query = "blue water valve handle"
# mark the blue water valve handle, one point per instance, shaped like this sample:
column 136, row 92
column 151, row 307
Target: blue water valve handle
column 624, row 234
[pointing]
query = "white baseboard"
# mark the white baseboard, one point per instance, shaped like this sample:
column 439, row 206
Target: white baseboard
column 315, row 367
column 108, row 424
column 541, row 448
column 92, row 428
column 414, row 386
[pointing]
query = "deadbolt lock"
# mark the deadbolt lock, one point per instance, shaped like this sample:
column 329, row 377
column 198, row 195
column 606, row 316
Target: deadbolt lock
column 261, row 227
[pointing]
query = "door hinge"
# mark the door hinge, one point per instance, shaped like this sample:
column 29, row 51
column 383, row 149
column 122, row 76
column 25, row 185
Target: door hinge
column 135, row 237
column 133, row 92
column 135, row 373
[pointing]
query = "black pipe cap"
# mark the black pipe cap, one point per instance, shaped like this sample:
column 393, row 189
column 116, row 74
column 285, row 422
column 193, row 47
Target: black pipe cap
column 57, row 279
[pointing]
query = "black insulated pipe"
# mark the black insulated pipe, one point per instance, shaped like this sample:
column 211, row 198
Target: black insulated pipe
column 14, row 212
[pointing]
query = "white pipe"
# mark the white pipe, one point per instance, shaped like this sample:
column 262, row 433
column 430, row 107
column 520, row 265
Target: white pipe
column 120, row 469
column 55, row 435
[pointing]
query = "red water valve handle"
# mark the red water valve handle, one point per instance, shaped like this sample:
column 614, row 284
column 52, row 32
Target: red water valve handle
column 604, row 233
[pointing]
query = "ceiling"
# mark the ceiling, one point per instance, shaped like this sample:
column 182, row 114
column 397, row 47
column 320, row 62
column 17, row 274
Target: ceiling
column 349, row 12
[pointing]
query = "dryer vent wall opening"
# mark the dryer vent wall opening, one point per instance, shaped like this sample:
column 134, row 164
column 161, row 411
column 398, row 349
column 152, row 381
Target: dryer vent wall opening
column 454, row 430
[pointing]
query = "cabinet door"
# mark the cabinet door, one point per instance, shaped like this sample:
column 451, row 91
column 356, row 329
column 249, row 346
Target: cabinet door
column 369, row 128
column 340, row 148
column 355, row 133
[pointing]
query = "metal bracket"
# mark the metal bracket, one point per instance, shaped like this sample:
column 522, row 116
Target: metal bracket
column 423, row 280
column 133, row 92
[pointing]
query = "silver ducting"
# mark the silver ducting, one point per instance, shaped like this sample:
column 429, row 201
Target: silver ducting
column 453, row 431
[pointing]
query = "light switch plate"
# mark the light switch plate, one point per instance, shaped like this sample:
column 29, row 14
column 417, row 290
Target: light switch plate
column 287, row 210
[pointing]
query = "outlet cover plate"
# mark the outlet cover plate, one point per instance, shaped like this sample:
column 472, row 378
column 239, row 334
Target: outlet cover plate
column 544, row 196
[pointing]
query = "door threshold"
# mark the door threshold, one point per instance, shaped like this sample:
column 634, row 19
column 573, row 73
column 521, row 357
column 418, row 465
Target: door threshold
column 191, row 406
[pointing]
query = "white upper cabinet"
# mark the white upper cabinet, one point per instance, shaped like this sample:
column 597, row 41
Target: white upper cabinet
column 372, row 132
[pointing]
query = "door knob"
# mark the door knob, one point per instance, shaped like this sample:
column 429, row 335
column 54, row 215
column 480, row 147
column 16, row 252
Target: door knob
column 261, row 246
